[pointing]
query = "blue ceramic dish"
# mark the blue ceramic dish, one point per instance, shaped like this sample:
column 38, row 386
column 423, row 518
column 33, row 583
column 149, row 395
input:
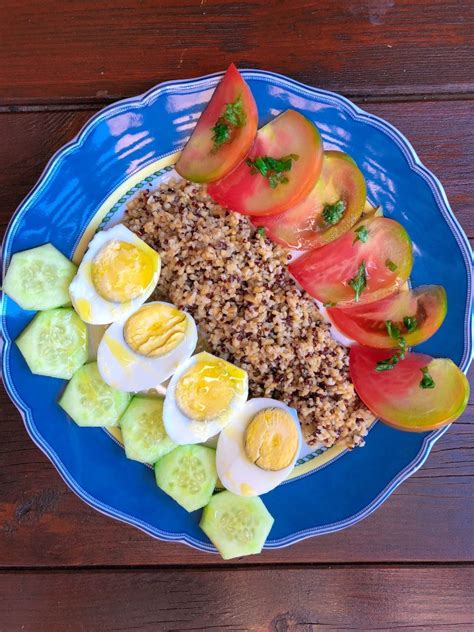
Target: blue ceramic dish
column 132, row 144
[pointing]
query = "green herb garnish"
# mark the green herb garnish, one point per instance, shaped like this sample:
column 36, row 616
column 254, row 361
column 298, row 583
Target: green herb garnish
column 394, row 333
column 362, row 234
column 261, row 231
column 426, row 381
column 410, row 323
column 232, row 117
column 329, row 304
column 391, row 265
column 359, row 282
column 273, row 169
column 333, row 213
column 388, row 363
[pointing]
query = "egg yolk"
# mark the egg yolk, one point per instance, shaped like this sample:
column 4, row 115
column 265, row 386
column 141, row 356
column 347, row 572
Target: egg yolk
column 271, row 439
column 206, row 390
column 155, row 329
column 122, row 271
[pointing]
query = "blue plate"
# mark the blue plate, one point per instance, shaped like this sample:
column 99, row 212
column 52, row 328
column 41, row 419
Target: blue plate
column 133, row 143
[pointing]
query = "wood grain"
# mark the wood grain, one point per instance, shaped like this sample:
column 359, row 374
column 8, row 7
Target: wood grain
column 42, row 523
column 441, row 132
column 82, row 50
column 390, row 598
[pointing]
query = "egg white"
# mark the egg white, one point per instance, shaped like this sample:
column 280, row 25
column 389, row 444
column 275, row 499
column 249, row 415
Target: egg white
column 236, row 472
column 184, row 430
column 130, row 371
column 100, row 311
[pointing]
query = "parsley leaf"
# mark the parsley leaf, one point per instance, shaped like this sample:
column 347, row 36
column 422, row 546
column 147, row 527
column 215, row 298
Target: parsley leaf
column 392, row 330
column 388, row 363
column 273, row 169
column 221, row 133
column 333, row 213
column 359, row 282
column 261, row 231
column 426, row 381
column 410, row 323
column 362, row 234
column 233, row 116
column 391, row 265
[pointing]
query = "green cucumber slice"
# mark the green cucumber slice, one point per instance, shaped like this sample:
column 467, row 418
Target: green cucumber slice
column 188, row 474
column 143, row 432
column 54, row 343
column 89, row 401
column 39, row 278
column 236, row 525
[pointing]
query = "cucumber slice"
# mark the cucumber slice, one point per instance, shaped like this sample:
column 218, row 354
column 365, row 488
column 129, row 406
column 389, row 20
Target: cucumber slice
column 143, row 432
column 188, row 474
column 39, row 278
column 92, row 402
column 236, row 525
column 54, row 343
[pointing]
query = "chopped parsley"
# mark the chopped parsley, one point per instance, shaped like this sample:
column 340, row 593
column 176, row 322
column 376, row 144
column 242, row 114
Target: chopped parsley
column 391, row 265
column 410, row 323
column 388, row 363
column 333, row 213
column 274, row 169
column 261, row 231
column 359, row 282
column 426, row 381
column 361, row 234
column 394, row 333
column 232, row 117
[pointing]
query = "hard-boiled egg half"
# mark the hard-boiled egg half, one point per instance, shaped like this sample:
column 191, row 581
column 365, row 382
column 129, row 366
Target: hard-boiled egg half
column 146, row 349
column 203, row 396
column 117, row 274
column 258, row 450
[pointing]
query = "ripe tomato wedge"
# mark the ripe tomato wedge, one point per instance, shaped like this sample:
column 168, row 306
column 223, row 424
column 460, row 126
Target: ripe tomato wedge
column 397, row 396
column 201, row 159
column 332, row 207
column 247, row 191
column 417, row 314
column 369, row 262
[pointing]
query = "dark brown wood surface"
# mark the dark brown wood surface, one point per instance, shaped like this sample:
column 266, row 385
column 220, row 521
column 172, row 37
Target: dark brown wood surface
column 64, row 566
column 304, row 599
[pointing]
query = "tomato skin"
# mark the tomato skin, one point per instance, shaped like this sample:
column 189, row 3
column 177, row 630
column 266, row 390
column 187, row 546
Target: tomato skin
column 302, row 227
column 198, row 162
column 325, row 272
column 396, row 395
column 366, row 323
column 250, row 193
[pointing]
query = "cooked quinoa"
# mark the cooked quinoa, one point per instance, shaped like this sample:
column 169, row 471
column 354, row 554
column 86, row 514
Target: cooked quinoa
column 235, row 283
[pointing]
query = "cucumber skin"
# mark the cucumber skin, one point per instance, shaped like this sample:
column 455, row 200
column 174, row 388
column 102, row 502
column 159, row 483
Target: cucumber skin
column 164, row 475
column 90, row 377
column 37, row 360
column 220, row 505
column 133, row 450
column 49, row 297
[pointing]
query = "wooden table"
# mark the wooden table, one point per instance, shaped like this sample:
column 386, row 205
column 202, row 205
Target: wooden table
column 66, row 567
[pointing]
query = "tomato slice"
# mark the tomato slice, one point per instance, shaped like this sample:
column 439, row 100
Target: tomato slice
column 397, row 396
column 247, row 191
column 332, row 207
column 369, row 262
column 202, row 160
column 417, row 314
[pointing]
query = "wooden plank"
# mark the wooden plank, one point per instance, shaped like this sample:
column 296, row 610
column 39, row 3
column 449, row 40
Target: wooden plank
column 267, row 599
column 84, row 50
column 441, row 132
column 42, row 523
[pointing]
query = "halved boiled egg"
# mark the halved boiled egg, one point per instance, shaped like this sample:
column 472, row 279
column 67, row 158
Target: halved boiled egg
column 258, row 450
column 146, row 349
column 202, row 397
column 117, row 274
